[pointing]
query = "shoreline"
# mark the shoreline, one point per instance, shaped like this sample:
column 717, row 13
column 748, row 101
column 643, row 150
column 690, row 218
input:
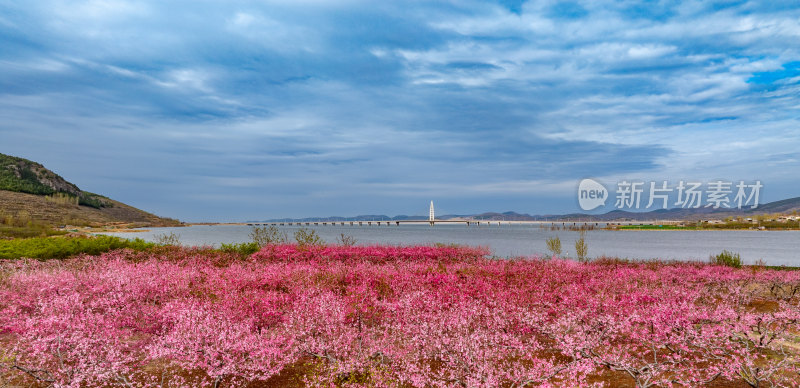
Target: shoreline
column 425, row 223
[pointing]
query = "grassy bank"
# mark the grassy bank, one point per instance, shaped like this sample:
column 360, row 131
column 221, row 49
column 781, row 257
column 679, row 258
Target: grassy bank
column 22, row 225
column 656, row 227
column 62, row 247
column 11, row 231
column 792, row 225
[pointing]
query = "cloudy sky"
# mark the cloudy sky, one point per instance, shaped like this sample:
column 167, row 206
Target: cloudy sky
column 243, row 110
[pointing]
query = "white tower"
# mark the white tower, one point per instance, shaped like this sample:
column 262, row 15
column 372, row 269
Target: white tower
column 430, row 216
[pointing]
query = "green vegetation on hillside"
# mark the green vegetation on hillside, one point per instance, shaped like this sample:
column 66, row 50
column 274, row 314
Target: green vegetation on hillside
column 27, row 187
column 96, row 201
column 27, row 181
column 24, row 176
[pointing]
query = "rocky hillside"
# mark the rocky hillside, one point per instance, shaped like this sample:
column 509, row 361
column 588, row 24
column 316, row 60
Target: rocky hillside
column 23, row 175
column 29, row 190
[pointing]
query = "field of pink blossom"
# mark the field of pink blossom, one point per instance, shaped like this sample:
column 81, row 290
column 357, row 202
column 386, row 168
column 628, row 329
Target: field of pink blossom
column 392, row 317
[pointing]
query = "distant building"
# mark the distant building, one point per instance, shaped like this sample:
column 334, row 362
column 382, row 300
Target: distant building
column 430, row 216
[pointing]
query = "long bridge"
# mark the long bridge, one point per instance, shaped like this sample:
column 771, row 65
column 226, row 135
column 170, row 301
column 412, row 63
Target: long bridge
column 469, row 222
column 379, row 223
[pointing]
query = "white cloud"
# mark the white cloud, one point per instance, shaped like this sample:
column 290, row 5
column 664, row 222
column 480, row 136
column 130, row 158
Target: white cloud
column 94, row 18
column 187, row 78
column 272, row 33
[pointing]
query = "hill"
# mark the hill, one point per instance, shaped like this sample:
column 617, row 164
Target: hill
column 29, row 191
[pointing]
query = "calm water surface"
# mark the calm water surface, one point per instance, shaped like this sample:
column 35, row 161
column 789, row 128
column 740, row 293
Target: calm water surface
column 775, row 247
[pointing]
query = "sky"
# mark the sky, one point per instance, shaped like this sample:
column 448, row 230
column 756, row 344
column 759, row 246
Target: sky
column 250, row 110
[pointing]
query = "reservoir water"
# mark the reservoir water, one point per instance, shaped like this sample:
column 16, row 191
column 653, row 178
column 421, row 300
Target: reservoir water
column 774, row 247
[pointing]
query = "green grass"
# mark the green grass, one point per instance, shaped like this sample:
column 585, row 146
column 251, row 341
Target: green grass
column 243, row 249
column 781, row 268
column 59, row 248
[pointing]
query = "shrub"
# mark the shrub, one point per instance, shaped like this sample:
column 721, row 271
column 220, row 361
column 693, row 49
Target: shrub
column 554, row 246
column 581, row 248
column 23, row 218
column 167, row 239
column 728, row 259
column 62, row 199
column 94, row 200
column 270, row 235
column 346, row 240
column 28, row 231
column 22, row 226
column 243, row 249
column 308, row 237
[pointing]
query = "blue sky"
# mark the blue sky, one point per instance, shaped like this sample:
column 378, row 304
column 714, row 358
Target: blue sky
column 240, row 110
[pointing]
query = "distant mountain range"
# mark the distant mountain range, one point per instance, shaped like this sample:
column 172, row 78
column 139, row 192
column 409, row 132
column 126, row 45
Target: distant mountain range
column 783, row 206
